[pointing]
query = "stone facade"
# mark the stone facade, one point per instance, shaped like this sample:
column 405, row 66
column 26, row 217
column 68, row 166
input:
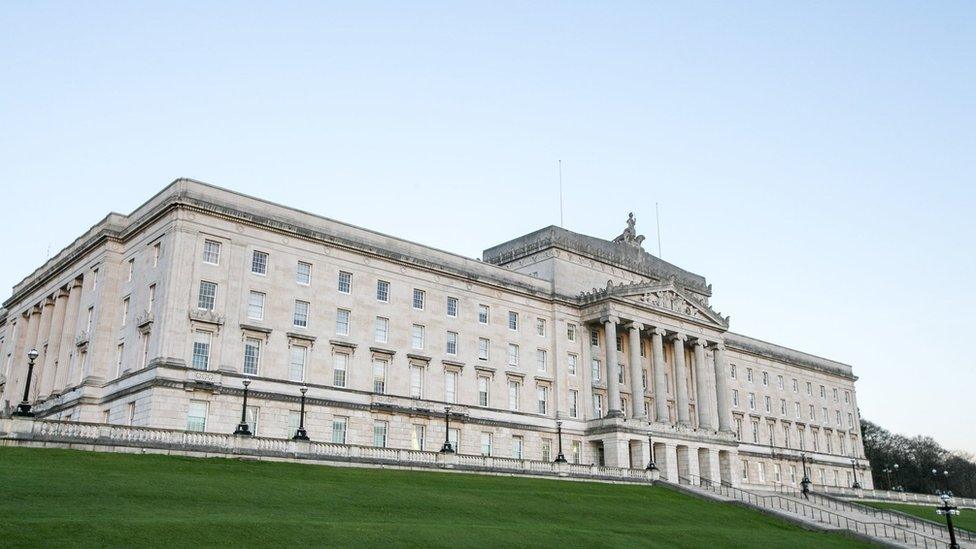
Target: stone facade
column 155, row 319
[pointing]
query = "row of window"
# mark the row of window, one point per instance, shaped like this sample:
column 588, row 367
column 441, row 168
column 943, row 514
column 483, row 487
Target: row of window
column 788, row 440
column 781, row 384
column 760, row 468
column 811, row 410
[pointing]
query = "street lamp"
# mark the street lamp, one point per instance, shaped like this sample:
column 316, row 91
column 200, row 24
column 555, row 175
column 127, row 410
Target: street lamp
column 242, row 427
column 895, row 471
column 805, row 482
column 24, row 408
column 300, row 434
column 650, row 444
column 887, row 472
column 948, row 511
column 945, row 481
column 447, row 448
column 560, row 458
column 856, row 485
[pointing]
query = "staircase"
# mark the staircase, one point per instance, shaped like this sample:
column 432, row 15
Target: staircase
column 822, row 511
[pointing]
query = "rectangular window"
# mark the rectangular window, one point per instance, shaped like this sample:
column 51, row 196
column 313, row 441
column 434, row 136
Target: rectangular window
column 782, row 407
column 850, row 421
column 156, row 251
column 483, row 382
column 296, row 363
column 454, row 435
column 418, row 299
column 752, row 401
column 417, row 336
column 809, row 389
column 847, row 397
column 381, row 329
column 300, row 319
column 303, row 274
column 483, row 311
column 418, row 436
column 735, row 398
column 571, row 364
column 823, row 392
column 620, row 343
column 382, row 291
column 595, row 370
column 732, row 371
column 765, row 379
column 132, row 269
column 342, row 322
column 379, row 377
column 259, row 263
column 745, row 470
column 540, row 327
column 251, row 417
column 211, row 252
column 119, row 354
column 749, row 375
column 201, row 349
column 796, row 409
column 486, row 444
column 452, row 343
column 542, row 395
column 207, row 296
column 577, row 451
column 597, row 406
column 738, row 428
column 345, row 282
column 513, row 354
column 341, row 362
column 594, row 338
column 755, row 432
column 766, row 405
column 540, row 359
column 255, row 306
column 483, row 346
column 125, row 310
column 452, row 306
column 517, row 447
column 571, row 332
column 196, row 416
column 512, row 320
column 252, row 356
column 779, row 382
column 379, row 434
column 450, row 386
column 835, row 394
column 152, row 298
column 573, row 403
column 513, row 395
column 796, row 385
column 824, row 417
column 339, row 430
column 417, row 382
column 546, row 449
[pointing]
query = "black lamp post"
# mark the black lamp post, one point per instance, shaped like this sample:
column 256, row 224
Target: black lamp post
column 948, row 511
column 945, row 482
column 650, row 446
column 894, row 469
column 805, row 482
column 887, row 472
column 300, row 434
column 856, row 485
column 24, row 408
column 447, row 448
column 560, row 458
column 242, row 427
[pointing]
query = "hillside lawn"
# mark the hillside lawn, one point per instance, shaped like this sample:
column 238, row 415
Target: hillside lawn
column 965, row 519
column 58, row 498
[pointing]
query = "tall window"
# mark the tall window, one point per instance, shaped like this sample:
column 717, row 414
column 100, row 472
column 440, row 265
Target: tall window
column 382, row 329
column 301, row 314
column 540, row 359
column 540, row 327
column 513, row 354
column 417, row 382
column 152, row 297
column 513, row 395
column 342, row 322
column 201, row 349
column 735, row 398
column 419, row 434
column 255, row 306
column 450, row 386
column 303, row 274
column 755, row 432
column 483, row 346
column 765, row 379
column 252, row 355
column 340, row 363
column 486, row 444
column 345, row 282
column 132, row 269
column 595, row 370
column 512, row 320
column 418, row 299
column 573, row 403
column 379, row 434
column 597, row 406
column 417, row 336
column 546, row 449
column 119, row 354
column 196, row 416
column 379, row 376
column 339, row 430
column 252, row 414
column 752, row 401
column 571, row 332
column 483, row 311
column 125, row 310
column 207, row 296
column 259, row 263
column 454, row 435
column 594, row 338
column 211, row 252
column 482, row 391
column 571, row 364
column 382, row 291
column 452, row 306
column 542, row 395
column 296, row 363
column 156, row 251
column 452, row 343
column 517, row 447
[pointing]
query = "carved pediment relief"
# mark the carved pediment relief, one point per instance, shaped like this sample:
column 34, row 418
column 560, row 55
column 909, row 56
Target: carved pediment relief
column 664, row 295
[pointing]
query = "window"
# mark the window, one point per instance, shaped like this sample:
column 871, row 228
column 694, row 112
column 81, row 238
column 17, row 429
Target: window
column 824, row 417
column 513, row 395
column 732, row 371
column 339, row 430
column 152, row 298
column 752, row 401
column 540, row 327
column 765, row 379
column 303, row 274
column 125, row 310
column 597, row 406
column 766, row 405
column 486, row 444
column 546, row 446
column 745, row 470
column 792, row 474
column 211, row 252
column 345, row 282
column 738, row 428
column 483, row 311
column 837, row 417
column 761, row 469
column 823, row 392
column 454, row 436
column 255, row 306
column 417, row 336
column 379, row 376
column 512, row 320
column 131, row 270
column 294, row 420
column 483, row 346
column 835, row 395
column 156, row 250
column 144, row 346
column 379, row 434
column 542, row 395
column 450, row 386
column 571, row 332
column 94, row 278
column 91, row 318
column 339, row 366
column 755, row 432
column 418, row 299
column 847, row 397
column 513, row 354
column 573, row 403
column 517, row 447
column 850, row 421
column 594, row 338
column 119, row 354
column 296, row 363
column 735, row 398
column 381, row 329
column 417, row 440
column 300, row 319
column 483, row 391
column 252, row 414
column 540, row 359
column 749, row 375
column 259, row 263
column 576, row 449
column 786, row 435
column 796, row 410
column 252, row 356
column 417, row 382
column 207, row 296
column 342, row 322
column 196, row 416
column 571, row 364
column 782, row 407
column 452, row 306
column 201, row 349
column 796, row 385
column 382, row 291
column 809, row 389
column 595, row 370
column 812, row 415
column 620, row 343
column 779, row 382
column 452, row 343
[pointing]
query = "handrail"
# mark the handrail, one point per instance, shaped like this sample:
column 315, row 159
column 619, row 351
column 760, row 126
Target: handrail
column 875, row 529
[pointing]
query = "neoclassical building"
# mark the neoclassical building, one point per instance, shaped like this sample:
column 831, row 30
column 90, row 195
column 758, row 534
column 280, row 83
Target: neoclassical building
column 157, row 317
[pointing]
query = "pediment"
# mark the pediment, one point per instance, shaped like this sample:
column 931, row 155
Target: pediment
column 664, row 296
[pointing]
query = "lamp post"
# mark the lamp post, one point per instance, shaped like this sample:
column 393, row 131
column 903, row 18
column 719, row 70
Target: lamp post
column 560, row 458
column 447, row 448
column 243, row 428
column 945, row 481
column 805, row 482
column 300, row 434
column 894, row 469
column 650, row 446
column 24, row 408
column 948, row 511
column 887, row 472
column 856, row 485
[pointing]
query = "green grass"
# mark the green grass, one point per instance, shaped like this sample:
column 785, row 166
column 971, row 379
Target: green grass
column 51, row 498
column 965, row 519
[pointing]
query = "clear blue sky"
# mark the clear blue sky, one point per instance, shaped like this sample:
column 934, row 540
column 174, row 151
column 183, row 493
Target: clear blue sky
column 814, row 162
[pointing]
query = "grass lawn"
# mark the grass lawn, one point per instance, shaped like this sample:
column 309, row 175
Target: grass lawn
column 54, row 498
column 965, row 519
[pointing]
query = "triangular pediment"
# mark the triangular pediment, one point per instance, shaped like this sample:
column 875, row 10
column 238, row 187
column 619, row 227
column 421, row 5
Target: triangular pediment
column 664, row 296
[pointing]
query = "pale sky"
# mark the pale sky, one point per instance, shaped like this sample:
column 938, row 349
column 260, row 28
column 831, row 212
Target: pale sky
column 814, row 162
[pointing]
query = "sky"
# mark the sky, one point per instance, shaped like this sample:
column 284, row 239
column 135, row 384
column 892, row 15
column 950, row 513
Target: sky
column 813, row 160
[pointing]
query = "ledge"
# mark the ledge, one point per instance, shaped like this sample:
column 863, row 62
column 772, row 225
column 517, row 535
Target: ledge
column 382, row 351
column 453, row 364
column 345, row 344
column 303, row 337
column 255, row 328
column 420, row 358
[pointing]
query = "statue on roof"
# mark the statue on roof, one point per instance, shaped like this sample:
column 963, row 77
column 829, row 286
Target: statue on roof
column 630, row 236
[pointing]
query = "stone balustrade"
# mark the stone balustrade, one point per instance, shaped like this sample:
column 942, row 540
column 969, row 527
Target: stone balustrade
column 896, row 497
column 31, row 432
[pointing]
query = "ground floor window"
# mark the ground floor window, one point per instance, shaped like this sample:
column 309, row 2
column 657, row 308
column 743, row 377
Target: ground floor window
column 196, row 416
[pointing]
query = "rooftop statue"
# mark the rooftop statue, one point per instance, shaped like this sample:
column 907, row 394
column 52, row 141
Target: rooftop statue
column 630, row 236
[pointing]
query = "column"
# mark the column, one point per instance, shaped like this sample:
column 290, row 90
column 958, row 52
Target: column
column 660, row 376
column 670, row 462
column 43, row 331
column 636, row 371
column 681, row 379
column 613, row 368
column 722, row 389
column 714, row 467
column 68, row 335
column 53, row 346
column 694, row 466
column 705, row 420
column 33, row 328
